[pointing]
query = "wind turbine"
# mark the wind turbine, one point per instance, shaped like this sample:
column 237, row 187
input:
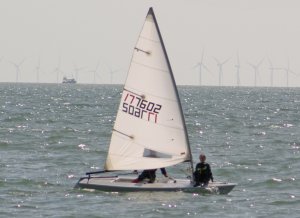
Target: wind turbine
column 220, row 65
column 288, row 71
column 57, row 70
column 238, row 66
column 17, row 66
column 255, row 68
column 95, row 71
column 200, row 65
column 272, row 68
column 77, row 71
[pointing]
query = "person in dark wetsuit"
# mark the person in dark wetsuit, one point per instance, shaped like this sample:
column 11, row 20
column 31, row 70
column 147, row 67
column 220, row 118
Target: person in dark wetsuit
column 149, row 174
column 202, row 172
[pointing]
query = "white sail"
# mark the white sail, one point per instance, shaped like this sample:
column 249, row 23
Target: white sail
column 149, row 131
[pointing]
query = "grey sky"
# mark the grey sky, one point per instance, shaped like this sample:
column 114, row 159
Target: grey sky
column 79, row 34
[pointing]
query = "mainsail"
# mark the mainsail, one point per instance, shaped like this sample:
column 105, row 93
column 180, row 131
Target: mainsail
column 149, row 130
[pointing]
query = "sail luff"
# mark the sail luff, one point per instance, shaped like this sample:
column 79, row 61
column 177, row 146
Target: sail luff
column 173, row 79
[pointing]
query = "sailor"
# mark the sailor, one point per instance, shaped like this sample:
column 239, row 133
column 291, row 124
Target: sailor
column 202, row 172
column 150, row 175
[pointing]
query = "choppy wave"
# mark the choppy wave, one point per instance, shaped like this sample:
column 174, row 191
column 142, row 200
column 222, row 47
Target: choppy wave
column 50, row 135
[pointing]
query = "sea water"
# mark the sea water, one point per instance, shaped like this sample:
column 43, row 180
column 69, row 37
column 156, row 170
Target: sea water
column 50, row 135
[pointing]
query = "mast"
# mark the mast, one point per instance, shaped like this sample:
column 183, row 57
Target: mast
column 173, row 80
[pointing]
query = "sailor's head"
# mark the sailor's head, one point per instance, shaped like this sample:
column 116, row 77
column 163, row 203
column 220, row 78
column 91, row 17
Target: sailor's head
column 202, row 158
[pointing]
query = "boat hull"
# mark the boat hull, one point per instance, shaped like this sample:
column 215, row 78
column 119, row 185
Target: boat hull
column 125, row 184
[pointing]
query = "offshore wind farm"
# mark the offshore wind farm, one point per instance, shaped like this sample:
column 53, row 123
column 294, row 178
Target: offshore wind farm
column 94, row 47
column 232, row 71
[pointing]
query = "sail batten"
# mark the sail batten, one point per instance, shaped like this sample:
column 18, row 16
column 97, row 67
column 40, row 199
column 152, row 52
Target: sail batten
column 150, row 67
column 149, row 39
column 150, row 126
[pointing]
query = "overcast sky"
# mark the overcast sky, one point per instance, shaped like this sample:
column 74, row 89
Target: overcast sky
column 70, row 34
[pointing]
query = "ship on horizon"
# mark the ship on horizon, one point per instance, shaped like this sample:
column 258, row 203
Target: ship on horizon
column 70, row 81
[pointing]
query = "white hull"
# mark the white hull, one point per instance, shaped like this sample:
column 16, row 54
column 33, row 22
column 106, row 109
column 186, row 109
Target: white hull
column 124, row 184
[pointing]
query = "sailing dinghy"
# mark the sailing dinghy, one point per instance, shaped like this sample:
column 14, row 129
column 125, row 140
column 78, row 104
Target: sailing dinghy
column 149, row 131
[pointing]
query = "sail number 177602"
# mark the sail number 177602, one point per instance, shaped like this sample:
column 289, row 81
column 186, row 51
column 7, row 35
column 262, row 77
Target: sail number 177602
column 137, row 106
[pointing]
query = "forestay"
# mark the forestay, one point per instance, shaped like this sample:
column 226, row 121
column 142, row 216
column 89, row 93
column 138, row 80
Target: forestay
column 150, row 130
